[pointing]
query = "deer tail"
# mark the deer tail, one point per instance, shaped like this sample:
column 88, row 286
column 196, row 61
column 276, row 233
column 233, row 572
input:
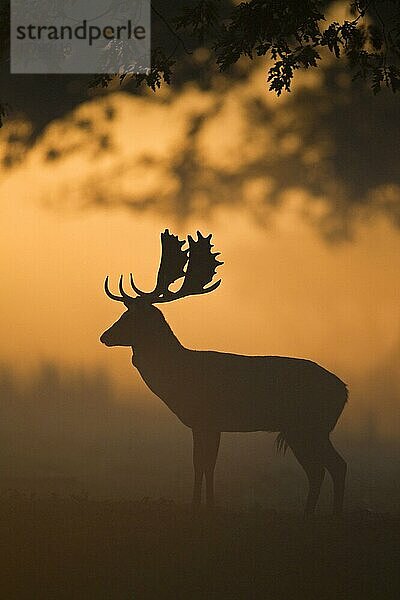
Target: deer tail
column 281, row 444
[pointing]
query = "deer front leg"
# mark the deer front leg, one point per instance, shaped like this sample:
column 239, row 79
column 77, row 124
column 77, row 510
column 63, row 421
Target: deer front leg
column 198, row 470
column 211, row 453
column 205, row 451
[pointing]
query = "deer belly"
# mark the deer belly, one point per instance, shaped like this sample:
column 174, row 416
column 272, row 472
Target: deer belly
column 252, row 418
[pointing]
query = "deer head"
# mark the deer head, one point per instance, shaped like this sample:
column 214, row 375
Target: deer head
column 196, row 265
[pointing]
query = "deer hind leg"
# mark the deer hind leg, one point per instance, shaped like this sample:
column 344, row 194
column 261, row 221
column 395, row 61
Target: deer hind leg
column 337, row 468
column 205, row 452
column 308, row 452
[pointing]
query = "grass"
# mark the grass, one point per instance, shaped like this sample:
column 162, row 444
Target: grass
column 76, row 548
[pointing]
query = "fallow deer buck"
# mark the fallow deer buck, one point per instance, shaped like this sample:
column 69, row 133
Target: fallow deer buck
column 212, row 392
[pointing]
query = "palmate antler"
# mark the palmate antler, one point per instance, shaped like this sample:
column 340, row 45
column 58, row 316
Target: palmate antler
column 172, row 264
column 200, row 270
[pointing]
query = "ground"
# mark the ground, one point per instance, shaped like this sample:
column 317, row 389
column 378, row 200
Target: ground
column 76, row 548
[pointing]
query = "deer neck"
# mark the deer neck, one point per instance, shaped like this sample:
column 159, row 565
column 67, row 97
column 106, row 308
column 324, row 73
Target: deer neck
column 156, row 345
column 159, row 357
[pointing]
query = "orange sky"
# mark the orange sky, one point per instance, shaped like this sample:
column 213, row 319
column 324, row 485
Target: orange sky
column 284, row 290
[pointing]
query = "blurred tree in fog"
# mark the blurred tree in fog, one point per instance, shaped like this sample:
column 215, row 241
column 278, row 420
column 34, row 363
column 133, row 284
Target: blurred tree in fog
column 347, row 138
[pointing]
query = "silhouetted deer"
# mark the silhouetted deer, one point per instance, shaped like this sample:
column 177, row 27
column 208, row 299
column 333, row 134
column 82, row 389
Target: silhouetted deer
column 212, row 392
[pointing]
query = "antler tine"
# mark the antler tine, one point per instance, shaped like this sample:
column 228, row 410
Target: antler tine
column 134, row 286
column 110, row 294
column 124, row 295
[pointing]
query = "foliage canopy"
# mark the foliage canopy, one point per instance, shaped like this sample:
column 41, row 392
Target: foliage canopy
column 291, row 33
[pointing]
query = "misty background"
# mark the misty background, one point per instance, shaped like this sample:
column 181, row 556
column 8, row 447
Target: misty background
column 68, row 433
